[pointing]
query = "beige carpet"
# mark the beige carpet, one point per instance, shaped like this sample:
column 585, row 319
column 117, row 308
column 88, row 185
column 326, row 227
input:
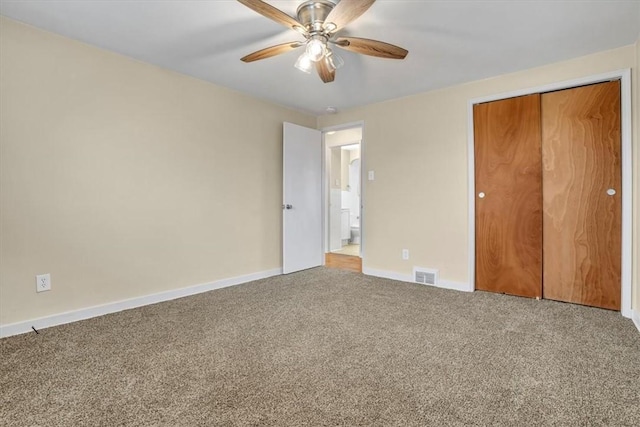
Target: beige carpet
column 329, row 348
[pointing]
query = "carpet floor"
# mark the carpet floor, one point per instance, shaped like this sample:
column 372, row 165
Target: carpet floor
column 329, row 348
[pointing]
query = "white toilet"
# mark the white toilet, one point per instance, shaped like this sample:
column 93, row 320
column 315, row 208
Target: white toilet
column 355, row 234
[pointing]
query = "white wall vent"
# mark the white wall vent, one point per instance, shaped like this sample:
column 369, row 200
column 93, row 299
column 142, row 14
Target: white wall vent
column 425, row 276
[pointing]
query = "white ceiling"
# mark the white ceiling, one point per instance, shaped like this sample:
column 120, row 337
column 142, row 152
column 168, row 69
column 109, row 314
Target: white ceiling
column 449, row 42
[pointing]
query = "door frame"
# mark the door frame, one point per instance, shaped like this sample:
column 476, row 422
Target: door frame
column 325, row 179
column 624, row 75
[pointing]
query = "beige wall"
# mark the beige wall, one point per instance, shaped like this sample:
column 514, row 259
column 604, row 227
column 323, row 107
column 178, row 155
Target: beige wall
column 417, row 147
column 336, row 168
column 122, row 179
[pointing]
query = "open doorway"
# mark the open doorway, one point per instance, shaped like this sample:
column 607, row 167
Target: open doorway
column 343, row 183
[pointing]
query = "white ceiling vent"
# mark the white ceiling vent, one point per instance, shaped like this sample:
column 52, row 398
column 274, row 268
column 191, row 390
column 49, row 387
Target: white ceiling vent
column 426, row 276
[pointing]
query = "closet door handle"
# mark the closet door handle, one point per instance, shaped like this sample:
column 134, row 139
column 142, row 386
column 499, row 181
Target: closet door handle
column 481, row 195
column 611, row 192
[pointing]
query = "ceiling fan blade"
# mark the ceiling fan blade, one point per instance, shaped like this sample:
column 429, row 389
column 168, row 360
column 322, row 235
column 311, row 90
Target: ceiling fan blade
column 271, row 51
column 347, row 11
column 325, row 71
column 371, row 47
column 275, row 14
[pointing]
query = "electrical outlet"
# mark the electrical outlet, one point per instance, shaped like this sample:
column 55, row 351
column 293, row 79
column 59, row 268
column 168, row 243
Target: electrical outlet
column 405, row 254
column 43, row 282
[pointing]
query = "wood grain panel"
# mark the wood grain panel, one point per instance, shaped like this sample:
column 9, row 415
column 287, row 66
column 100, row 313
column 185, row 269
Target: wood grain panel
column 326, row 73
column 509, row 218
column 265, row 9
column 372, row 47
column 271, row 51
column 343, row 262
column 582, row 223
column 347, row 11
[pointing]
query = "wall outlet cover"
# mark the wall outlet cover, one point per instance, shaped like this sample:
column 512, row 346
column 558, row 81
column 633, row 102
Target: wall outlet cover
column 43, row 282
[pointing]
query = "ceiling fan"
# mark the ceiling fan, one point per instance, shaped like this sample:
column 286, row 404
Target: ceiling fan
column 319, row 21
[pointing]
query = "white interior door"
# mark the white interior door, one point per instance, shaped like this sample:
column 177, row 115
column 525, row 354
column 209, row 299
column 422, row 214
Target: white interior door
column 302, row 203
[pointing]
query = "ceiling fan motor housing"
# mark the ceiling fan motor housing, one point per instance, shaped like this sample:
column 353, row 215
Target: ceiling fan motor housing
column 313, row 13
column 319, row 21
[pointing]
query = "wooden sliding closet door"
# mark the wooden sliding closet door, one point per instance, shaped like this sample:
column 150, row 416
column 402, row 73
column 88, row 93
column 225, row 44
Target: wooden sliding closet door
column 508, row 196
column 582, row 197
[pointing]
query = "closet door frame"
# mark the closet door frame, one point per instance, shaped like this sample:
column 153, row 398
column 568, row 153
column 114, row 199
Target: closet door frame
column 624, row 76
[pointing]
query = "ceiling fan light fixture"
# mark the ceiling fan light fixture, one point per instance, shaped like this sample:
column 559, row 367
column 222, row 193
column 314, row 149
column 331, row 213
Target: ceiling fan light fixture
column 335, row 60
column 316, row 48
column 319, row 21
column 329, row 27
column 304, row 63
column 301, row 29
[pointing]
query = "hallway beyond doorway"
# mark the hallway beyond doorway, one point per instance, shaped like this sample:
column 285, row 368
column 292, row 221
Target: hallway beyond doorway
column 343, row 262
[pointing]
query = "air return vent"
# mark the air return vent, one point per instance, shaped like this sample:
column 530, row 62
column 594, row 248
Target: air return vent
column 426, row 276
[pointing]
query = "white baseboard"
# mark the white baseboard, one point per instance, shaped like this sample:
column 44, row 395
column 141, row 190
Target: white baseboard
column 445, row 284
column 635, row 316
column 113, row 307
